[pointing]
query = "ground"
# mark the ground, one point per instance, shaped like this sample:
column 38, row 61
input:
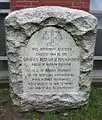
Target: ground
column 92, row 111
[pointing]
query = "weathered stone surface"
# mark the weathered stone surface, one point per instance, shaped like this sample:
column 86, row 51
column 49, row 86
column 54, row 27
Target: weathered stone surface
column 71, row 34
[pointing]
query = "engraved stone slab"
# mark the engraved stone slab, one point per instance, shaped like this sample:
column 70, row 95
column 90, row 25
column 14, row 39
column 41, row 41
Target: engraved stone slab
column 50, row 56
column 51, row 63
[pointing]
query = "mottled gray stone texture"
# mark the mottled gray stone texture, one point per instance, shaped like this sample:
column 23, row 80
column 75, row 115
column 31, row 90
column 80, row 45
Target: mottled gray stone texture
column 20, row 25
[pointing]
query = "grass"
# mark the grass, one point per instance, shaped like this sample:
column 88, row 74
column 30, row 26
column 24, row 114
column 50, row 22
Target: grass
column 92, row 111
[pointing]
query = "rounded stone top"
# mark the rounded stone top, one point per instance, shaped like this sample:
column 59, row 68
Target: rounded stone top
column 39, row 14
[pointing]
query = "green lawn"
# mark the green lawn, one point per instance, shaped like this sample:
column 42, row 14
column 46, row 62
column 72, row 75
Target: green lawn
column 92, row 111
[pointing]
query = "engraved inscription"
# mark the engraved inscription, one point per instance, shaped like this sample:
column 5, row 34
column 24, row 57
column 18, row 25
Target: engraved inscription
column 53, row 37
column 50, row 63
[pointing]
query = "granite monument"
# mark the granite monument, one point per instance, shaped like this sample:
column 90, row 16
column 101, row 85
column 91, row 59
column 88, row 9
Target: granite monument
column 50, row 53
